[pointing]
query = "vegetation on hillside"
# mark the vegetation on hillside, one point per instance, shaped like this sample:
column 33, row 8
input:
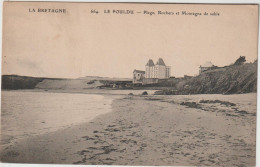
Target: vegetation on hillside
column 19, row 82
column 237, row 78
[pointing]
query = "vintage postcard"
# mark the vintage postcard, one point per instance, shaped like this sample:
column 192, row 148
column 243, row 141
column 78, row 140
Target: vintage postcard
column 129, row 84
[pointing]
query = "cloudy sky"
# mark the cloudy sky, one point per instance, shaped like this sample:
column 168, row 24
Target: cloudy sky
column 79, row 43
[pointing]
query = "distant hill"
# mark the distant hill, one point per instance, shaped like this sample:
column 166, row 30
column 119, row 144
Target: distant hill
column 14, row 82
column 19, row 82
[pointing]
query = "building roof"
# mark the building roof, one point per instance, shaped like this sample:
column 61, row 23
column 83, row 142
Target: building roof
column 160, row 62
column 207, row 64
column 139, row 71
column 150, row 63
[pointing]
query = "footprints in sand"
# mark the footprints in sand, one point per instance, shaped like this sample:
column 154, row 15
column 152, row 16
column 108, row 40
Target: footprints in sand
column 107, row 145
column 132, row 137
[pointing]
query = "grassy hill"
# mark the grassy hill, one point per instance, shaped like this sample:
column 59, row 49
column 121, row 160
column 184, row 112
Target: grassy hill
column 19, row 82
column 14, row 82
column 227, row 80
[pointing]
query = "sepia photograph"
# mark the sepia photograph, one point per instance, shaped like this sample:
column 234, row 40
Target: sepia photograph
column 136, row 84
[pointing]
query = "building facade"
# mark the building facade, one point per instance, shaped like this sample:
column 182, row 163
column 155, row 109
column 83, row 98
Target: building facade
column 206, row 66
column 138, row 76
column 158, row 70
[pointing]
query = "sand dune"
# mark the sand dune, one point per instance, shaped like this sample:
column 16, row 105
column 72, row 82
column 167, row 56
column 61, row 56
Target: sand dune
column 67, row 84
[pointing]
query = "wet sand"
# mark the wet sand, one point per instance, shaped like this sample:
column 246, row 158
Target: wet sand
column 204, row 130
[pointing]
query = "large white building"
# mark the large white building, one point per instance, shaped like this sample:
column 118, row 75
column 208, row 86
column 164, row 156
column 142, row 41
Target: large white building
column 158, row 70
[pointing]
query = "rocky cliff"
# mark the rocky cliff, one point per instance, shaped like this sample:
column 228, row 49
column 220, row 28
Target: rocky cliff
column 226, row 80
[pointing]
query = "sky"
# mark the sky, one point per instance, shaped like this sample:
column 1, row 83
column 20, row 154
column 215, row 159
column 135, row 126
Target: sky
column 79, row 43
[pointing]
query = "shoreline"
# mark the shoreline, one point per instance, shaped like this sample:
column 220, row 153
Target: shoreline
column 50, row 118
column 108, row 92
column 104, row 92
column 149, row 130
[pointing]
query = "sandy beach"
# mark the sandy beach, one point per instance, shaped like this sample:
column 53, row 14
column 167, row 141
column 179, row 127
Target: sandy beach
column 132, row 84
column 192, row 130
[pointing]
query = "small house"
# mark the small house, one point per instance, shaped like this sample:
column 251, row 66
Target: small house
column 138, row 76
column 206, row 66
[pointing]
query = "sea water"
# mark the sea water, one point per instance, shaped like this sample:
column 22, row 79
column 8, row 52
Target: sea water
column 25, row 114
